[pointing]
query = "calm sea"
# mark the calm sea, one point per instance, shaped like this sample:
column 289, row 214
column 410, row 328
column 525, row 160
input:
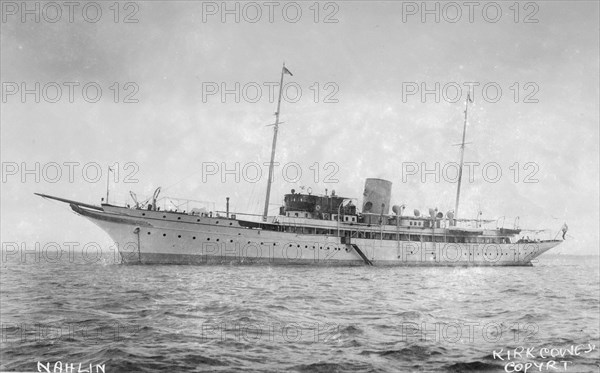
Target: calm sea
column 268, row 319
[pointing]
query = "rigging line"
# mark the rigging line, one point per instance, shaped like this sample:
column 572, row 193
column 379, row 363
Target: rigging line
column 186, row 177
column 250, row 200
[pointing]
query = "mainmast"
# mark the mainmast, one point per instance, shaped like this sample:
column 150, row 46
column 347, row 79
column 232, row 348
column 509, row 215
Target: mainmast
column 462, row 155
column 275, row 125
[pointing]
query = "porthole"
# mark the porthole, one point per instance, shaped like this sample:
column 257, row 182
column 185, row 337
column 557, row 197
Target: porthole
column 197, row 219
column 179, row 218
column 179, row 236
column 230, row 240
column 217, row 240
column 143, row 214
column 217, row 222
column 230, row 223
column 208, row 238
column 164, row 216
column 164, row 235
column 193, row 238
column 148, row 232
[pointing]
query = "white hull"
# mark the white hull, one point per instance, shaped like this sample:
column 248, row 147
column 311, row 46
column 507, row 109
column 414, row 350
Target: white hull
column 155, row 237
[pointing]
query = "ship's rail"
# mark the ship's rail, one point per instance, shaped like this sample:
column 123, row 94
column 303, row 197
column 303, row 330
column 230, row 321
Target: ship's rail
column 246, row 216
column 438, row 222
column 184, row 205
column 504, row 222
column 537, row 235
column 465, row 225
column 199, row 207
column 165, row 203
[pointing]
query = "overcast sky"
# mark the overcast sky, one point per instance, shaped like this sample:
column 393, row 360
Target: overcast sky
column 365, row 57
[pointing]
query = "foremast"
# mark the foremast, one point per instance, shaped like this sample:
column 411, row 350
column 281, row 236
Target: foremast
column 275, row 125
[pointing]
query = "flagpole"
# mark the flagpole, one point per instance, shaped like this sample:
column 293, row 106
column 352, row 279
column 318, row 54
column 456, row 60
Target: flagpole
column 462, row 156
column 275, row 129
column 107, row 183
